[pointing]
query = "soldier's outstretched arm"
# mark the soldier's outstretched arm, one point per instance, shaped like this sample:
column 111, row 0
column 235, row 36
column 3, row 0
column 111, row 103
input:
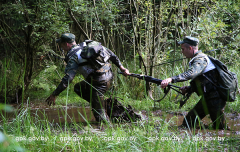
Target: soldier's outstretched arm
column 117, row 62
column 70, row 72
column 125, row 71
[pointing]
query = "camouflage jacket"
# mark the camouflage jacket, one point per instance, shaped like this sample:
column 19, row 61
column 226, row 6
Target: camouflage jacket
column 196, row 67
column 199, row 65
column 73, row 67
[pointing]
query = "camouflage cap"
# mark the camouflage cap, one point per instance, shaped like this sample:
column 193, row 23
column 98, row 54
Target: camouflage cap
column 190, row 40
column 66, row 37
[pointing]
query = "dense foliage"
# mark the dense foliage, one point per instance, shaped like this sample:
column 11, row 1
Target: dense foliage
column 144, row 32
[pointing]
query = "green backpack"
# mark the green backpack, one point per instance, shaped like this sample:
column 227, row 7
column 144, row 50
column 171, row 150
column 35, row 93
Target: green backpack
column 95, row 53
column 227, row 82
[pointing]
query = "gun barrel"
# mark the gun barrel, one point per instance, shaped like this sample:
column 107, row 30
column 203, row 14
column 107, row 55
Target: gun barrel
column 149, row 79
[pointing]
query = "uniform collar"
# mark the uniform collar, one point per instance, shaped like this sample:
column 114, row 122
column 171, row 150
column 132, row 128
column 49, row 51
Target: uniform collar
column 194, row 56
column 198, row 52
column 72, row 48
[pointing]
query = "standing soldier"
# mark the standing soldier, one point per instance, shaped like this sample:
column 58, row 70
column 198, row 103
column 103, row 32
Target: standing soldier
column 97, row 81
column 210, row 102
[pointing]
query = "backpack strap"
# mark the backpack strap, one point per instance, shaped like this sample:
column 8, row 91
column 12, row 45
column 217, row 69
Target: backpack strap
column 71, row 53
column 210, row 80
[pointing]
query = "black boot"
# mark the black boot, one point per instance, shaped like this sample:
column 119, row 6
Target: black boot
column 101, row 115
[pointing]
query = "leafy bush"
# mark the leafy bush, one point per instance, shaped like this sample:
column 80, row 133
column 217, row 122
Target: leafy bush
column 47, row 79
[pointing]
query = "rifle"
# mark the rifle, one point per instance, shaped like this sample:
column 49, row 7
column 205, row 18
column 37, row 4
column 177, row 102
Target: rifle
column 156, row 81
column 147, row 78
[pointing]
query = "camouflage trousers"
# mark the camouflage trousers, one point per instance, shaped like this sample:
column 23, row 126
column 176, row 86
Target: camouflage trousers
column 93, row 91
column 211, row 103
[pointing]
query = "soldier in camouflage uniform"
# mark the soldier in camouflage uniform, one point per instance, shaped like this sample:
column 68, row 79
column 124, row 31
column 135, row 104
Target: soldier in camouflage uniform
column 210, row 102
column 97, row 81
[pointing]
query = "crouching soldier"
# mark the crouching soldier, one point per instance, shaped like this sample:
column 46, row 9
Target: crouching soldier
column 97, row 78
column 210, row 102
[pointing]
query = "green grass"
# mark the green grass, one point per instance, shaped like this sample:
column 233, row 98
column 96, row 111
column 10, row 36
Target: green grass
column 30, row 133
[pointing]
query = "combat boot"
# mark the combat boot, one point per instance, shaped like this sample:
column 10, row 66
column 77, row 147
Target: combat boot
column 101, row 115
column 99, row 112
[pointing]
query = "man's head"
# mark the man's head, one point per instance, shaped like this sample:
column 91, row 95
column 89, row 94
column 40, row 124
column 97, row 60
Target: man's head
column 189, row 46
column 66, row 41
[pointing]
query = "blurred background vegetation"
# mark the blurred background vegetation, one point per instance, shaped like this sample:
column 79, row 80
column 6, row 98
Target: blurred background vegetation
column 143, row 33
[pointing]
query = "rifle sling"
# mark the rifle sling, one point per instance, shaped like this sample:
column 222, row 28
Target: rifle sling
column 166, row 90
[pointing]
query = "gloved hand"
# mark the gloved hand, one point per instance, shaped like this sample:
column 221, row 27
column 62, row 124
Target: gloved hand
column 51, row 100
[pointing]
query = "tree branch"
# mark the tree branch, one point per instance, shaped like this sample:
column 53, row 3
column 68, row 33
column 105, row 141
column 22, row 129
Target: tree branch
column 78, row 25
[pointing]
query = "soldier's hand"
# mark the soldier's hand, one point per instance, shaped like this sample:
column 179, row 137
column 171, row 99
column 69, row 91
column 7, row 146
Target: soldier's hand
column 51, row 100
column 125, row 71
column 185, row 89
column 165, row 82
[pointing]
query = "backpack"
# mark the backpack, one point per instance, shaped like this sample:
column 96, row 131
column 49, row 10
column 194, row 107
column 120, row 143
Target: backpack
column 227, row 81
column 95, row 53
